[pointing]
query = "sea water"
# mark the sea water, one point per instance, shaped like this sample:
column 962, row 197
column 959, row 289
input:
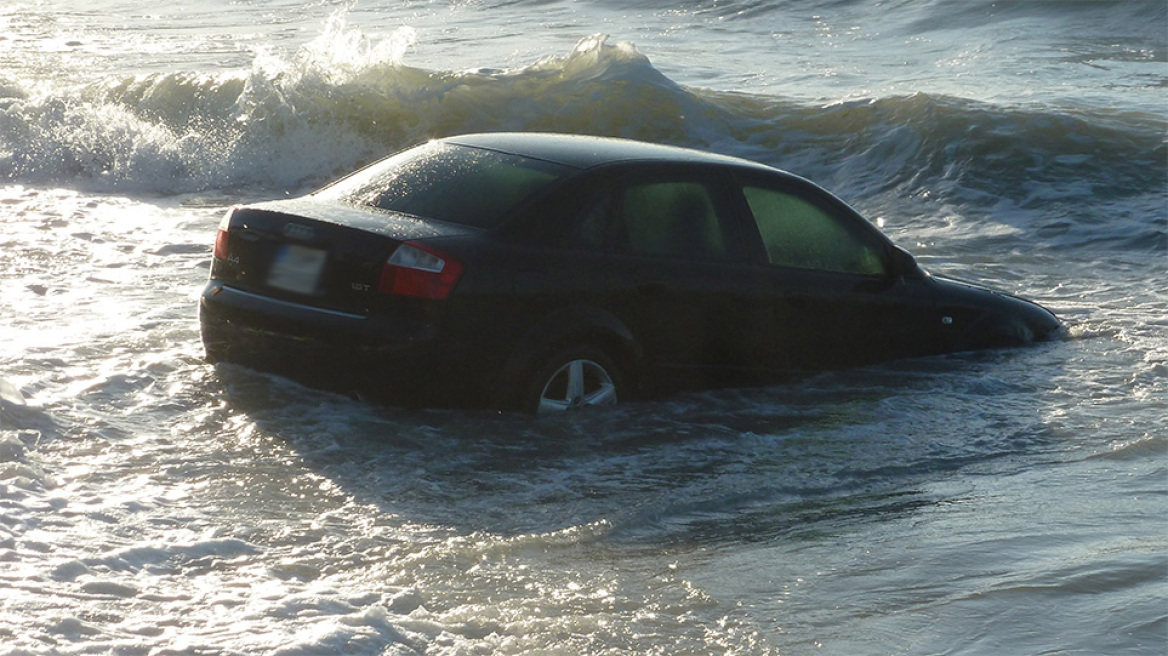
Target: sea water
column 1010, row 502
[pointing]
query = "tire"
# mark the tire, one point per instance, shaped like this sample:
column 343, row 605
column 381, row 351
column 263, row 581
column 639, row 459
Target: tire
column 572, row 379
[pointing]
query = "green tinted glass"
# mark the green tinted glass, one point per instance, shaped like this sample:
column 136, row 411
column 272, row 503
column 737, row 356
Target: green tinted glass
column 801, row 235
column 672, row 219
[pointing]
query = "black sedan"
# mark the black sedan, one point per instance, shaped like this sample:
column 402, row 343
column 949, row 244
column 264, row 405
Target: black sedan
column 547, row 272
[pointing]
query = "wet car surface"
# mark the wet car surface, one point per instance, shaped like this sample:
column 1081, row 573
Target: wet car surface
column 546, row 272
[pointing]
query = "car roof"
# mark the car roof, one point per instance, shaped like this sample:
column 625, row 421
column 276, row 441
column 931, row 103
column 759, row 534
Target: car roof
column 584, row 152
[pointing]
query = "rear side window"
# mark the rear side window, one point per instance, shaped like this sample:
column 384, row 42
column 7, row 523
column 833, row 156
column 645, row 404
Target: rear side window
column 675, row 219
column 457, row 184
column 682, row 217
column 801, row 234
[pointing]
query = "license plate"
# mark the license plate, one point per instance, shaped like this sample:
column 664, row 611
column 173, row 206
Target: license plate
column 297, row 268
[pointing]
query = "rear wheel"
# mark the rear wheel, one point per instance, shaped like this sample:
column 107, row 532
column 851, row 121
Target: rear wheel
column 575, row 378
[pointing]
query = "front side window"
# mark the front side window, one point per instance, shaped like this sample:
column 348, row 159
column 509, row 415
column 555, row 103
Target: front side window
column 457, row 184
column 801, row 234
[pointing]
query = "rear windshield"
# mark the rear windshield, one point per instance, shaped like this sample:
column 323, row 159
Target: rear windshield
column 458, row 184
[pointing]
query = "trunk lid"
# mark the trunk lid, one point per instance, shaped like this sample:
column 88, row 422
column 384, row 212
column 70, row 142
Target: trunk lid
column 321, row 254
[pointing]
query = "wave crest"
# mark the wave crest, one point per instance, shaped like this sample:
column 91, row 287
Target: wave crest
column 289, row 123
column 339, row 101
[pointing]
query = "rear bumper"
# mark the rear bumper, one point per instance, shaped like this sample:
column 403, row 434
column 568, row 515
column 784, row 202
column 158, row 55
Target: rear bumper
column 322, row 348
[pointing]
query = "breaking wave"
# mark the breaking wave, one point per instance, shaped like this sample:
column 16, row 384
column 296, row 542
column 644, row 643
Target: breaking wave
column 290, row 123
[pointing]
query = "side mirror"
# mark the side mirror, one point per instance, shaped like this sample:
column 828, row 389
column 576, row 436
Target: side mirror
column 901, row 264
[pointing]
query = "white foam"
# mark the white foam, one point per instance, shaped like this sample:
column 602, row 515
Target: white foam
column 10, row 394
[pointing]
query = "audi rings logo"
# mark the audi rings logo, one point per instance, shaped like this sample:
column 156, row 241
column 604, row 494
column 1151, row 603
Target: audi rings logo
column 297, row 231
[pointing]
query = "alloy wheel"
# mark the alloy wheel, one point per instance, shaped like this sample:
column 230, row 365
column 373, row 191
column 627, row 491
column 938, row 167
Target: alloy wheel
column 578, row 383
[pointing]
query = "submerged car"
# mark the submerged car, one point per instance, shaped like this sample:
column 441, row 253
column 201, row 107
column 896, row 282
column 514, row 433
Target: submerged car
column 547, row 272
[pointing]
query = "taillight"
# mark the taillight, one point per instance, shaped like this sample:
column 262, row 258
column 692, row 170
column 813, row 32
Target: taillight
column 419, row 271
column 220, row 251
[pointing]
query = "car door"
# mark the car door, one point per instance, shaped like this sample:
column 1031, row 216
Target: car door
column 839, row 299
column 678, row 272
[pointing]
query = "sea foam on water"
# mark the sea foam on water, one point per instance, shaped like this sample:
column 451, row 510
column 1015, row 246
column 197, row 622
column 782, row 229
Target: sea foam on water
column 1002, row 502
